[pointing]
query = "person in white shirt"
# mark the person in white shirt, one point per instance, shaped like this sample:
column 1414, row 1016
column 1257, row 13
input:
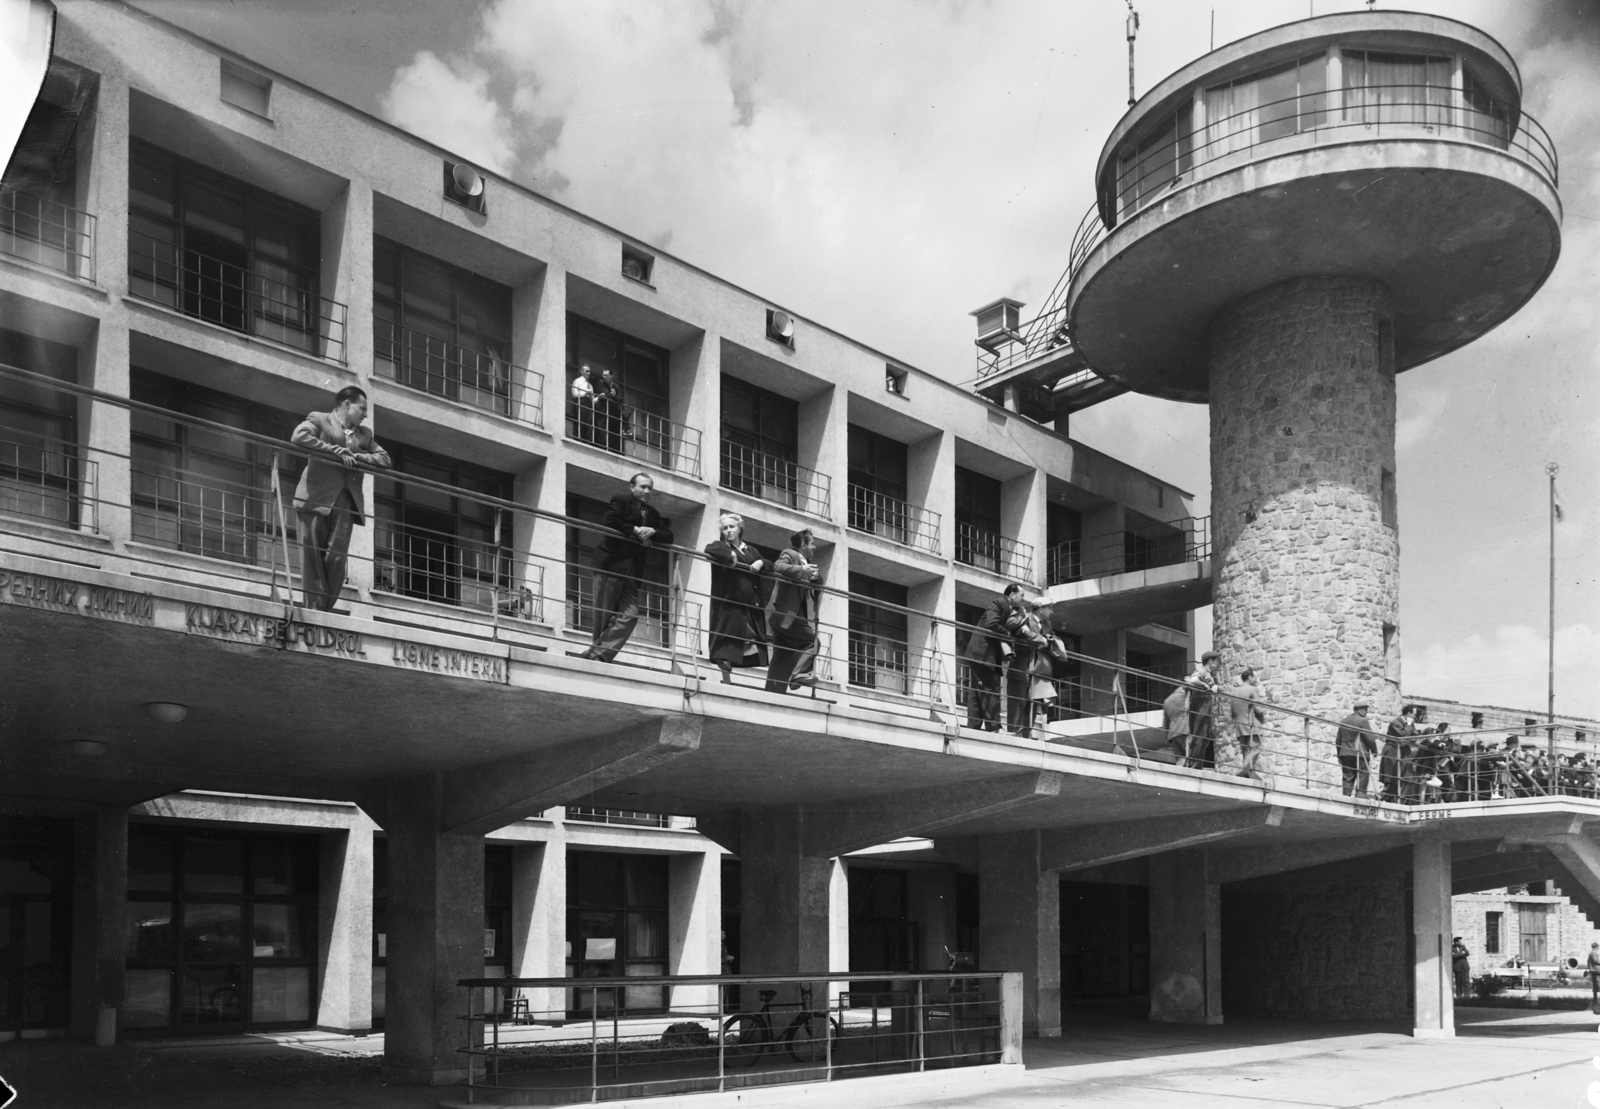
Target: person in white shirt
column 583, row 403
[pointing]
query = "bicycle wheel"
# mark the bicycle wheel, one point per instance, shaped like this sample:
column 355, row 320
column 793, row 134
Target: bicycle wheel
column 804, row 1037
column 745, row 1036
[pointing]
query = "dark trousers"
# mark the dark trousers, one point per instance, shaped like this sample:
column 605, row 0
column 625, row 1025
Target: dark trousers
column 616, row 613
column 1202, row 747
column 983, row 696
column 324, row 551
column 1356, row 767
column 794, row 655
column 1019, row 707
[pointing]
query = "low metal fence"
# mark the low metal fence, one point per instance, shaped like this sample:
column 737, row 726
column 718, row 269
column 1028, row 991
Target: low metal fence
column 1169, row 544
column 907, row 524
column 775, row 479
column 559, row 1041
column 445, row 369
column 990, row 551
column 47, row 233
column 634, row 433
column 49, row 481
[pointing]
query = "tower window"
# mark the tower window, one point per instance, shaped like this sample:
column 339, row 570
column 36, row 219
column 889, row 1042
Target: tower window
column 1391, row 507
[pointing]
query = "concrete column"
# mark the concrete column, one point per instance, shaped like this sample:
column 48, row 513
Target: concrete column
column 931, row 484
column 694, row 925
column 931, row 643
column 435, row 935
column 1019, row 917
column 1185, row 939
column 1023, row 506
column 106, row 195
column 539, row 920
column 838, row 924
column 694, row 398
column 347, row 278
column 538, row 547
column 1302, row 464
column 344, row 926
column 1430, row 922
column 539, row 343
column 824, row 443
column 931, row 892
column 99, row 915
column 784, row 904
column 105, row 428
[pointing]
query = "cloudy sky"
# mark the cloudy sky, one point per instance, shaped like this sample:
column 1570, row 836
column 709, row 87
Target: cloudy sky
column 884, row 167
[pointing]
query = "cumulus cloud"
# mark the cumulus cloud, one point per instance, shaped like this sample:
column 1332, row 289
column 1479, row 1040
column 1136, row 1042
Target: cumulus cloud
column 1508, row 668
column 448, row 103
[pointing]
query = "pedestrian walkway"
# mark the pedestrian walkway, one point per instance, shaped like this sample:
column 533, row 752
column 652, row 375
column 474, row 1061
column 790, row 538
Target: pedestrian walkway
column 1501, row 1059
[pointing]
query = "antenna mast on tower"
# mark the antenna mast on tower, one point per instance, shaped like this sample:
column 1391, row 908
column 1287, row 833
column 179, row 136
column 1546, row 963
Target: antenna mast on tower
column 1133, row 30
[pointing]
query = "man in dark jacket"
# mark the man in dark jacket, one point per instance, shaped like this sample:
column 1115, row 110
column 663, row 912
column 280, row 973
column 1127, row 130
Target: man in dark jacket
column 635, row 528
column 1356, row 744
column 988, row 648
column 792, row 615
column 1398, row 751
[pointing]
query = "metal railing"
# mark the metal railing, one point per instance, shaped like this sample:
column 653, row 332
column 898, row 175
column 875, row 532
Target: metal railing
column 665, row 621
column 451, row 569
column 47, row 233
column 585, row 814
column 990, row 551
column 267, row 302
column 205, row 514
column 1185, row 540
column 725, row 1032
column 775, row 479
column 632, row 432
column 895, row 520
column 42, row 479
column 445, row 369
column 1365, row 114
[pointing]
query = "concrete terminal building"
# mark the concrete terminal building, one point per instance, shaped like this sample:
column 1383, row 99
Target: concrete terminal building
column 424, row 786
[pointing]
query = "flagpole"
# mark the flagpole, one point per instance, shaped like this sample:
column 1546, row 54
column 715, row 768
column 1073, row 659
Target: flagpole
column 1550, row 675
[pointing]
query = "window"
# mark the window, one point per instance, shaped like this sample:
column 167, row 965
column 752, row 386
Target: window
column 204, row 491
column 882, row 937
column 639, row 426
column 1391, row 653
column 436, row 546
column 1391, row 507
column 441, row 329
column 760, row 442
column 222, row 930
column 1064, row 540
column 637, row 265
column 616, row 927
column 1266, row 106
column 1397, row 88
column 39, row 216
column 1489, row 119
column 879, row 656
column 1491, row 933
column 245, row 89
column 40, row 468
column 894, row 379
column 220, row 250
column 1156, row 162
column 877, row 475
column 1477, row 721
column 655, row 605
column 977, row 520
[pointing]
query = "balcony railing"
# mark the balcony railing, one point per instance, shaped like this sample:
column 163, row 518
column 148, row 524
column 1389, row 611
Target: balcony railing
column 445, row 369
column 888, row 666
column 45, row 480
column 47, row 233
column 893, row 519
column 457, row 570
column 775, row 479
column 1185, row 540
column 268, row 302
column 988, row 551
column 662, row 624
column 207, row 515
column 587, row 815
column 635, row 433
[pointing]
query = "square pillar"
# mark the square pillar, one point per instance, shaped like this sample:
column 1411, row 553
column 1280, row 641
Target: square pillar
column 1019, row 914
column 694, row 926
column 435, row 935
column 539, row 920
column 105, row 429
column 784, row 904
column 100, row 916
column 1435, row 1016
column 347, row 278
column 1185, row 939
column 344, row 925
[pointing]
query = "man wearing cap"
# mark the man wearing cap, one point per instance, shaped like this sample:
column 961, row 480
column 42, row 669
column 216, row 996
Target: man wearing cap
column 1203, row 686
column 1356, row 744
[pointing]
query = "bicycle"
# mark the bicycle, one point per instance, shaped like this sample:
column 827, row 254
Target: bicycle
column 803, row 1038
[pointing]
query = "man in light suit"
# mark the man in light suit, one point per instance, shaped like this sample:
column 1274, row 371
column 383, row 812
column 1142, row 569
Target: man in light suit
column 792, row 615
column 329, row 498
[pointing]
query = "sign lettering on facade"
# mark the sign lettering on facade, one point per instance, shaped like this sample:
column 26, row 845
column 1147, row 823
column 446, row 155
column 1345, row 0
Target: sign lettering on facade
column 60, row 595
column 270, row 631
column 444, row 660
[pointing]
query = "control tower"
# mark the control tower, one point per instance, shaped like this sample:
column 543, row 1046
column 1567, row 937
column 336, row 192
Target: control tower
column 1280, row 228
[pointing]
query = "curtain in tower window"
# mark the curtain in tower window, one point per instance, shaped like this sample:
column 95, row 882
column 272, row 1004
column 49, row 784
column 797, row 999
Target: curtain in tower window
column 1266, row 106
column 1397, row 88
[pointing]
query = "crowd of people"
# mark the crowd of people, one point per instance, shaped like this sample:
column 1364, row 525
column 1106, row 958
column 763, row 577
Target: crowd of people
column 1014, row 639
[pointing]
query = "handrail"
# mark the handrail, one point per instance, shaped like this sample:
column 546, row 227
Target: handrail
column 1187, row 540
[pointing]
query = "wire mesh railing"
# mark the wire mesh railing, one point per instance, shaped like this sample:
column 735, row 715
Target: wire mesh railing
column 993, row 552
column 774, row 479
column 48, row 481
column 47, row 233
column 634, row 433
column 266, row 301
column 893, row 519
column 1168, row 544
column 639, row 1036
column 447, row 369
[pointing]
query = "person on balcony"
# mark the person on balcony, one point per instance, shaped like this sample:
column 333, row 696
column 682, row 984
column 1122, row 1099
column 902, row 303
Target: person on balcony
column 329, row 498
column 1398, row 752
column 991, row 645
column 582, row 390
column 635, row 528
column 1356, row 745
column 738, row 620
column 1203, row 685
column 1039, row 650
column 792, row 615
column 608, row 412
column 1242, row 719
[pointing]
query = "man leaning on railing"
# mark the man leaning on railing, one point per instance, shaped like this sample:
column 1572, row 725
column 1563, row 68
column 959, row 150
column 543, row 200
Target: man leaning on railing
column 329, row 497
column 636, row 527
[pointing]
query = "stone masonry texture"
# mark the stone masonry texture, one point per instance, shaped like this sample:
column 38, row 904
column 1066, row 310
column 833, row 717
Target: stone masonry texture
column 1302, row 434
column 1338, row 952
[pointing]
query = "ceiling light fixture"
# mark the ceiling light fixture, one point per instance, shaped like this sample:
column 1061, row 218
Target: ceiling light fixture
column 168, row 712
column 88, row 748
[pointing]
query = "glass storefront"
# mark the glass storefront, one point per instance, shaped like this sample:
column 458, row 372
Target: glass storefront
column 35, row 923
column 616, row 927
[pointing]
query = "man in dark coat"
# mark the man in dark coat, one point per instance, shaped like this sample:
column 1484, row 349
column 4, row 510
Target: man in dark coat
column 1356, row 744
column 1398, row 751
column 635, row 528
column 792, row 615
column 990, row 646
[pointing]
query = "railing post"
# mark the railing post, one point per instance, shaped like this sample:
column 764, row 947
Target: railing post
column 827, row 1030
column 594, row 1043
column 469, row 1044
column 722, row 1040
column 1010, row 1017
column 1305, row 728
column 922, row 1054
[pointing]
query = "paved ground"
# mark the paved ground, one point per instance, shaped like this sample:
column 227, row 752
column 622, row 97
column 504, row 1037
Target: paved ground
column 1502, row 1059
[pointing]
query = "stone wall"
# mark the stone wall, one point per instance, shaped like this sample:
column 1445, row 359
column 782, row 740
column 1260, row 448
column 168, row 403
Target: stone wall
column 1302, row 432
column 1568, row 932
column 1337, row 952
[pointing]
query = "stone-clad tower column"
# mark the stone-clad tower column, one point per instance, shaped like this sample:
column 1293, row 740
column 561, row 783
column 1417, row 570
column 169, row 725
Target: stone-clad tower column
column 1304, row 544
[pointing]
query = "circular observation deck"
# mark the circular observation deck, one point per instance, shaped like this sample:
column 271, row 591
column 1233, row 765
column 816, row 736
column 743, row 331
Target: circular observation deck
column 1385, row 145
